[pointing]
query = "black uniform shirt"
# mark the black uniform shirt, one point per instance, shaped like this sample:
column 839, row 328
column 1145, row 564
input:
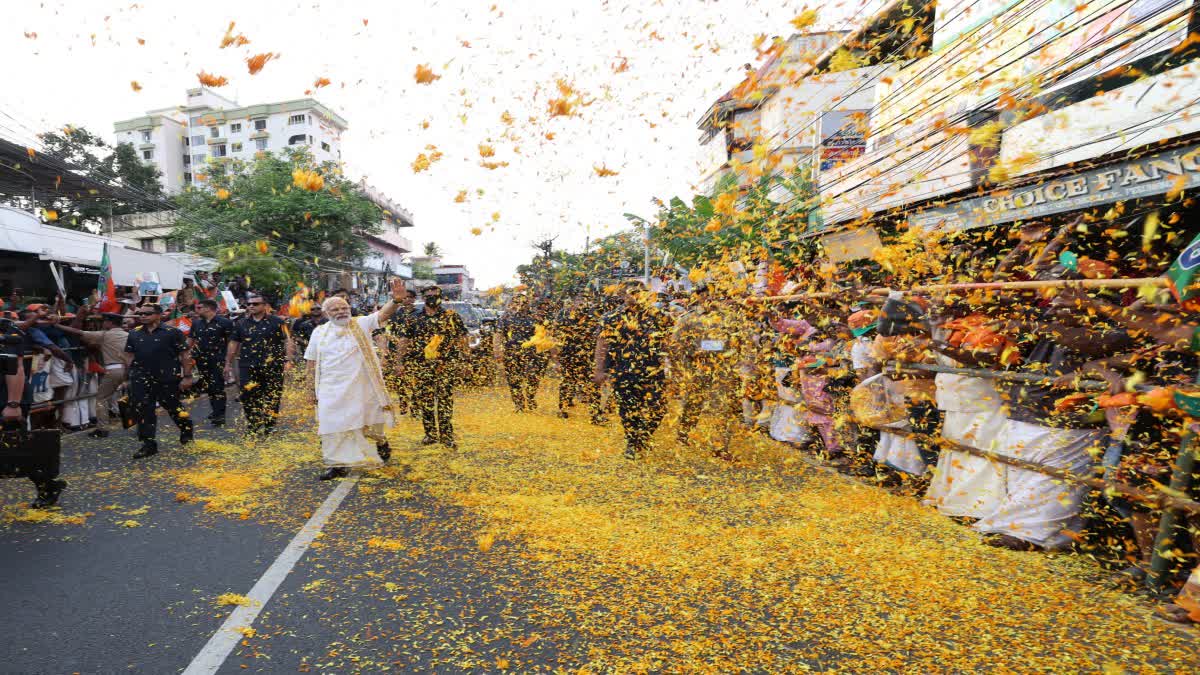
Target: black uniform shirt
column 212, row 338
column 516, row 329
column 636, row 342
column 15, row 344
column 264, row 342
column 156, row 353
column 421, row 328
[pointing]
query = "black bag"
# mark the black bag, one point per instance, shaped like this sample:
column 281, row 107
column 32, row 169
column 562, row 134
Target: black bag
column 128, row 419
column 30, row 453
column 901, row 317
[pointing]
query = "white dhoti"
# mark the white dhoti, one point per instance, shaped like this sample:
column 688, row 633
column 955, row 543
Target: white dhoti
column 1037, row 508
column 965, row 485
column 353, row 407
column 899, row 452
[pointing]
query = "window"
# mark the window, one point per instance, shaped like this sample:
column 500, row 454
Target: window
column 174, row 246
column 260, row 144
column 298, row 139
column 214, row 132
column 310, row 119
column 260, row 125
column 198, row 158
column 235, row 128
column 324, row 146
column 310, row 140
column 187, row 160
column 145, row 136
column 296, row 119
column 219, row 150
column 147, row 244
column 187, row 177
column 235, row 147
column 197, row 140
column 147, row 154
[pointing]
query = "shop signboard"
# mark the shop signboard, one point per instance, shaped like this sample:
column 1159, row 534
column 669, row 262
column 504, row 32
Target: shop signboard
column 1159, row 173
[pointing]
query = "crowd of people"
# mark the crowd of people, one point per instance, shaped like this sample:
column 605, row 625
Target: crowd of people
column 983, row 407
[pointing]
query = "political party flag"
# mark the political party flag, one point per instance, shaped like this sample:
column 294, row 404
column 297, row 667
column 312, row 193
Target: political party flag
column 105, row 286
column 1182, row 273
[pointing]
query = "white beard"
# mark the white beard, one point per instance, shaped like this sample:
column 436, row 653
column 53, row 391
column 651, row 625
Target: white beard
column 342, row 323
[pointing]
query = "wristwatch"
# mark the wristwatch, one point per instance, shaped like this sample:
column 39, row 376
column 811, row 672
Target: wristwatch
column 13, row 404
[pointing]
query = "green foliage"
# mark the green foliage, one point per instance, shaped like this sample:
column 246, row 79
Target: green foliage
column 322, row 228
column 423, row 270
column 768, row 217
column 564, row 272
column 120, row 166
column 432, row 250
column 266, row 273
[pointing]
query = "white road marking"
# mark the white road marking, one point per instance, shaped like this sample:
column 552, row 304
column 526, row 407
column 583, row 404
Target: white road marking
column 222, row 643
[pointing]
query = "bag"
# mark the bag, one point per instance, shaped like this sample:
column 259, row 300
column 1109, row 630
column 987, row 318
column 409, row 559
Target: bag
column 901, row 317
column 128, row 419
column 30, row 453
column 875, row 403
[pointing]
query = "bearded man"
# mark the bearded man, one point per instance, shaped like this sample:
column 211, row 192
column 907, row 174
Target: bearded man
column 353, row 405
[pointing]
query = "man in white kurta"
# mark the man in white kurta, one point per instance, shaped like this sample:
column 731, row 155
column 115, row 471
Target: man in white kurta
column 353, row 406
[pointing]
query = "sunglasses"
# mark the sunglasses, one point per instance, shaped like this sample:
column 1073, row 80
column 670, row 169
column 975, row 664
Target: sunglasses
column 251, row 304
column 145, row 313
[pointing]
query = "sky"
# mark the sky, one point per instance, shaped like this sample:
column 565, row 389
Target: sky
column 643, row 72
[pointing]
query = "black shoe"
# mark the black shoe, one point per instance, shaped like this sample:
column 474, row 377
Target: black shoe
column 335, row 472
column 630, row 452
column 99, row 433
column 384, row 450
column 599, row 420
column 146, row 451
column 450, row 443
column 563, row 414
column 428, row 440
column 49, row 497
column 186, row 438
column 217, row 423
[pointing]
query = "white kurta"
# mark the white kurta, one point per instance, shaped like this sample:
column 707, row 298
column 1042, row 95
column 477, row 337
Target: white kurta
column 966, row 485
column 1037, row 507
column 347, row 404
column 787, row 423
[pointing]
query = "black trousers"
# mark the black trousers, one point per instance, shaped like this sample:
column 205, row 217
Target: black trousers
column 577, row 384
column 524, row 369
column 433, row 395
column 926, row 420
column 641, row 404
column 210, row 380
column 709, row 384
column 146, row 393
column 262, row 390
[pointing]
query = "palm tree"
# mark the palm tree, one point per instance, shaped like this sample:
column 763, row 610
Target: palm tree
column 432, row 250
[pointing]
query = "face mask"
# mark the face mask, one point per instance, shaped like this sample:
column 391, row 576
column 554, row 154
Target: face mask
column 433, row 302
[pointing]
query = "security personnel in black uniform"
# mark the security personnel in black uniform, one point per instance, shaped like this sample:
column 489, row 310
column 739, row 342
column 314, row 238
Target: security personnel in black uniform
column 16, row 396
column 576, row 326
column 263, row 349
column 632, row 348
column 398, row 379
column 210, row 343
column 434, row 368
column 155, row 354
column 523, row 366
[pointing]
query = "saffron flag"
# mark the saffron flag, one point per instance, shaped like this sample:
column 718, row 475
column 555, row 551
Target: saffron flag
column 105, row 287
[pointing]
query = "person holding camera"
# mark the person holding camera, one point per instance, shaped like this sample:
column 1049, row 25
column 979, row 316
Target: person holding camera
column 154, row 356
column 14, row 343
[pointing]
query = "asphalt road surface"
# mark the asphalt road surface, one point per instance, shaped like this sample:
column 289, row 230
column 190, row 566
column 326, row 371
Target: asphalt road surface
column 535, row 546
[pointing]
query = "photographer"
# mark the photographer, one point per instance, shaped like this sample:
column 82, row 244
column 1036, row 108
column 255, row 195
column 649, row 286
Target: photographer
column 13, row 346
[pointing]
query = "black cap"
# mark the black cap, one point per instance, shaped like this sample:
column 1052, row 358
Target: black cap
column 113, row 317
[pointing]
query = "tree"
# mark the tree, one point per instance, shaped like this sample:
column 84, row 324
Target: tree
column 432, row 250
column 263, row 202
column 422, row 269
column 93, row 158
column 277, row 278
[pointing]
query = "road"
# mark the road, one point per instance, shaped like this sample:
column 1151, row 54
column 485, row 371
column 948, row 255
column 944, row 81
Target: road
column 533, row 547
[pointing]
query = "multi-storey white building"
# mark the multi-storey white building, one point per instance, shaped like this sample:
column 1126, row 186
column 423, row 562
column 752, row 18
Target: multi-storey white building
column 182, row 140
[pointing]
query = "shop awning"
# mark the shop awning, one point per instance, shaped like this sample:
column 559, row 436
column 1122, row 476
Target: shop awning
column 22, row 232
